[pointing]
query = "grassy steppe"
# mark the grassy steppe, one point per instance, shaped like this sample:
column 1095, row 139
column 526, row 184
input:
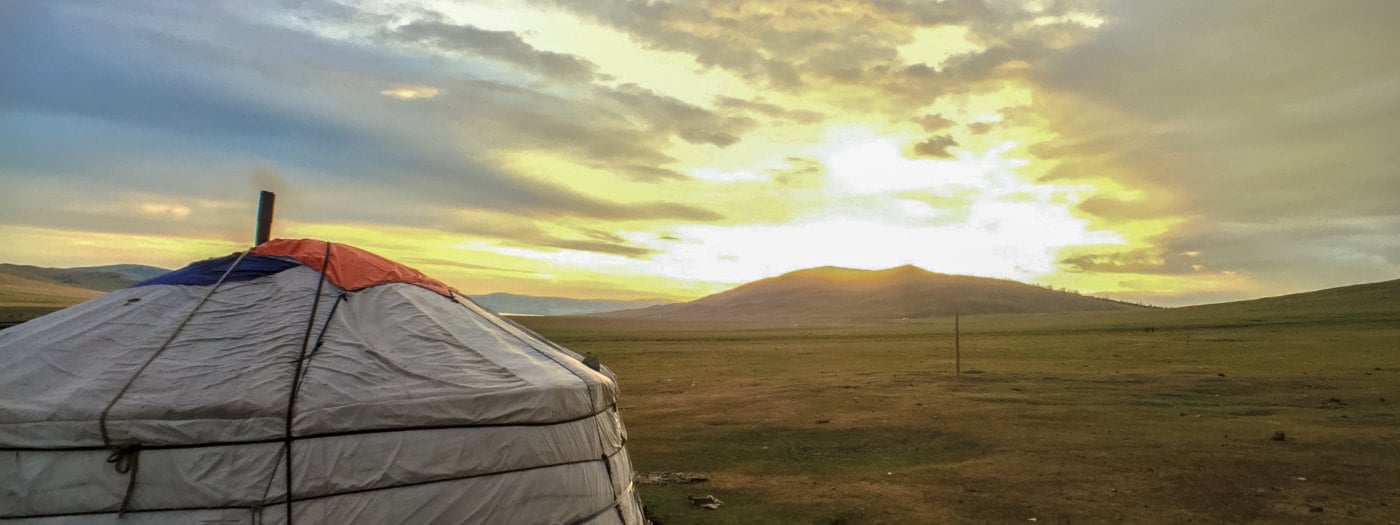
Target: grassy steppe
column 1139, row 417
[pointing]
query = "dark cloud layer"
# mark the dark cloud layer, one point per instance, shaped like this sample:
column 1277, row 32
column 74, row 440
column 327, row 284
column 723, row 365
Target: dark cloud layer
column 1268, row 126
column 197, row 84
column 501, row 45
column 846, row 53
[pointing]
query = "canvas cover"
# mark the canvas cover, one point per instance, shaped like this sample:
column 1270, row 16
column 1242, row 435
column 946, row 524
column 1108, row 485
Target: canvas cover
column 388, row 397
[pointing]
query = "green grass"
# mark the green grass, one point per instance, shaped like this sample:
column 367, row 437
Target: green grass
column 827, row 451
column 1070, row 418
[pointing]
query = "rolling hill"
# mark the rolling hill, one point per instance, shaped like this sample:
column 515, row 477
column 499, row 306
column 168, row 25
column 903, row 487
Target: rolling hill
column 1377, row 302
column 34, row 286
column 829, row 294
column 18, row 291
column 100, row 278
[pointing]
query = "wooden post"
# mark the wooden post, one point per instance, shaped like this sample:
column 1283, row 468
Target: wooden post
column 266, row 202
column 957, row 348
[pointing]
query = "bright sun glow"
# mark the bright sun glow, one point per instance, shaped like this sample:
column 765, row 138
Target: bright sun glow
column 971, row 215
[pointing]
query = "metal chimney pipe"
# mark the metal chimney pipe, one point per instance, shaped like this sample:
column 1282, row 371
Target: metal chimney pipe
column 266, row 202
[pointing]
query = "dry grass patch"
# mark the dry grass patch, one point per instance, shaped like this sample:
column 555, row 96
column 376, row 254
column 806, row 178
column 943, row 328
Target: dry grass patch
column 1073, row 419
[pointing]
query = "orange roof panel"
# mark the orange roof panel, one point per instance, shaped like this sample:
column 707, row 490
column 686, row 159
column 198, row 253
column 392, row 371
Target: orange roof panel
column 350, row 268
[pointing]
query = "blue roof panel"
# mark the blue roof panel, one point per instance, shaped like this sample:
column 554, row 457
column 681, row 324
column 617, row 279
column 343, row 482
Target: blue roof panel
column 207, row 272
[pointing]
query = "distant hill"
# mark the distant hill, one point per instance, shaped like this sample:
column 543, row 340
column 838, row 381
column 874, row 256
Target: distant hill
column 532, row 305
column 133, row 272
column 27, row 292
column 100, row 278
column 18, row 291
column 830, row 294
column 1371, row 302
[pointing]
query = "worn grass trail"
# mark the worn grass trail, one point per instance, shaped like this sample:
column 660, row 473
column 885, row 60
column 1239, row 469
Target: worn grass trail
column 1154, row 417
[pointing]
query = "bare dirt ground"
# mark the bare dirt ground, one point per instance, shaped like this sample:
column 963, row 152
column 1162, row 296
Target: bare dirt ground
column 1153, row 417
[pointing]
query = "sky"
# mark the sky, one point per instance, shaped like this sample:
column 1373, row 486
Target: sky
column 1172, row 153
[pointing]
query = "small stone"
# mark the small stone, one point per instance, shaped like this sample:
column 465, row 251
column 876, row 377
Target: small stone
column 1222, row 374
column 708, row 502
column 1278, row 436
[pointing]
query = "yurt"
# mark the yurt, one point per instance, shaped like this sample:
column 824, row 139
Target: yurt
column 303, row 382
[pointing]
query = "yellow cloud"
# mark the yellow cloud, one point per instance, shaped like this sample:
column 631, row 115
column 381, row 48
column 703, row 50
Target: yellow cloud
column 933, row 46
column 67, row 248
column 162, row 210
column 411, row 92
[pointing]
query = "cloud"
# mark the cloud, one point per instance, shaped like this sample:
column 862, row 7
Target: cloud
column 781, row 46
column 433, row 261
column 598, row 247
column 103, row 78
column 978, row 128
column 846, row 57
column 669, row 115
column 799, row 172
column 1237, row 118
column 500, row 45
column 1117, row 209
column 773, row 111
column 410, row 92
column 936, row 147
column 934, row 122
column 1150, row 262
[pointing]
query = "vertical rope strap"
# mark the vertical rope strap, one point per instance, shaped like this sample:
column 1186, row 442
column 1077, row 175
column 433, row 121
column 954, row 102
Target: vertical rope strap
column 126, row 457
column 256, row 509
column 126, row 460
column 296, row 378
column 321, row 337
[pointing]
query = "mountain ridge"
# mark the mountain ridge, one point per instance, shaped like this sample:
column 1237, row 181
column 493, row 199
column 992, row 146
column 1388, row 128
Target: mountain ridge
column 99, row 278
column 835, row 294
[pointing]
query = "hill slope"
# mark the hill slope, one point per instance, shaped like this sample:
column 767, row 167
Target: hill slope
column 533, row 305
column 830, row 294
column 18, row 291
column 100, row 278
column 1371, row 302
